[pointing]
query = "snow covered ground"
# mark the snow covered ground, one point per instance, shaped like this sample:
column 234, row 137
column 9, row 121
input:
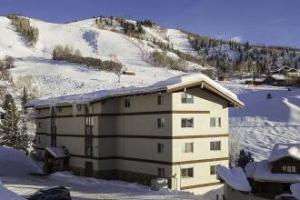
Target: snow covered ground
column 15, row 176
column 264, row 122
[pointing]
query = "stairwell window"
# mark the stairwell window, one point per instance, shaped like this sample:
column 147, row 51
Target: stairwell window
column 161, row 172
column 187, row 122
column 187, row 98
column 160, row 148
column 187, row 172
column 127, row 103
column 215, row 145
column 161, row 123
column 189, row 147
column 160, row 99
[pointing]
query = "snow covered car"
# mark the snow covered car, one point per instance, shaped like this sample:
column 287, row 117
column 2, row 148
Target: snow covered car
column 54, row 193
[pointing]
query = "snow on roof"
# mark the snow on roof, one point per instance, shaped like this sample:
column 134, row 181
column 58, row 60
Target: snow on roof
column 235, row 178
column 279, row 77
column 285, row 150
column 295, row 189
column 57, row 152
column 169, row 85
column 261, row 171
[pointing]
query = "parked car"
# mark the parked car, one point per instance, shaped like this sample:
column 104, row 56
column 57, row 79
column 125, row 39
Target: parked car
column 54, row 193
column 285, row 197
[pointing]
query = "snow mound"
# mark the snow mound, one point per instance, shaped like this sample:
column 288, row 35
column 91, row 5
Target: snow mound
column 285, row 150
column 6, row 194
column 14, row 162
column 295, row 189
column 234, row 177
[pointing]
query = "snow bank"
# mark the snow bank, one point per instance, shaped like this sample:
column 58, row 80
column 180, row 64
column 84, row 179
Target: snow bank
column 295, row 189
column 14, row 162
column 235, row 178
column 261, row 171
column 6, row 194
column 285, row 150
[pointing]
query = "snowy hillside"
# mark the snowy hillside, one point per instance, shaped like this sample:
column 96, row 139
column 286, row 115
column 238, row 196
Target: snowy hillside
column 53, row 78
column 264, row 122
column 256, row 127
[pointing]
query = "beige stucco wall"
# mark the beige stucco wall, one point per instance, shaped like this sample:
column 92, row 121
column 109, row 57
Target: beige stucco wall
column 201, row 173
column 201, row 149
column 139, row 103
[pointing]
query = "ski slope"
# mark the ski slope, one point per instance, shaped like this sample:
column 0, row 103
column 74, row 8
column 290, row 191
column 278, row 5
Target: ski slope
column 264, row 122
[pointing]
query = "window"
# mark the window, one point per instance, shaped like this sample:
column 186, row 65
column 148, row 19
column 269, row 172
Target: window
column 60, row 109
column 187, row 172
column 215, row 145
column 78, row 106
column 212, row 122
column 127, row 103
column 88, row 125
column 160, row 148
column 189, row 147
column 161, row 172
column 39, row 111
column 213, row 169
column 39, row 125
column 289, row 169
column 160, row 123
column 187, row 98
column 160, row 99
column 187, row 123
column 219, row 122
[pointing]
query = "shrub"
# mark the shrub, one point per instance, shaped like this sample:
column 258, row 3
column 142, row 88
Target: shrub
column 163, row 60
column 68, row 54
column 22, row 25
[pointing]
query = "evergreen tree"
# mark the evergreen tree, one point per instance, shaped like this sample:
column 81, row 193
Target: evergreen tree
column 244, row 158
column 9, row 125
column 24, row 98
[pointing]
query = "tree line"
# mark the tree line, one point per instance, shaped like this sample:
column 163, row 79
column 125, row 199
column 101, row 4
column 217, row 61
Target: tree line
column 23, row 26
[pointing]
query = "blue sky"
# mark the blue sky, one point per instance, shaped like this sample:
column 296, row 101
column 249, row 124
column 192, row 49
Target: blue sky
column 273, row 22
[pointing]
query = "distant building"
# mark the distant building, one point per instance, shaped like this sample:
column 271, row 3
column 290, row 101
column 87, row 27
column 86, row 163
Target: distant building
column 266, row 179
column 284, row 76
column 175, row 129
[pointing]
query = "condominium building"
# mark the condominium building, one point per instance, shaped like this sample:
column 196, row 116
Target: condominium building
column 175, row 129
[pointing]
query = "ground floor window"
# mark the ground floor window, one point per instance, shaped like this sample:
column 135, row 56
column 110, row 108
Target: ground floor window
column 161, row 172
column 187, row 172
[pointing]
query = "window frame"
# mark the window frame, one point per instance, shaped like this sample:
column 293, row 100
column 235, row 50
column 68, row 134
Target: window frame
column 187, row 172
column 187, row 98
column 186, row 124
column 215, row 145
column 213, row 169
column 191, row 149
column 160, row 148
column 161, row 123
column 161, row 172
column 160, row 99
column 127, row 103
